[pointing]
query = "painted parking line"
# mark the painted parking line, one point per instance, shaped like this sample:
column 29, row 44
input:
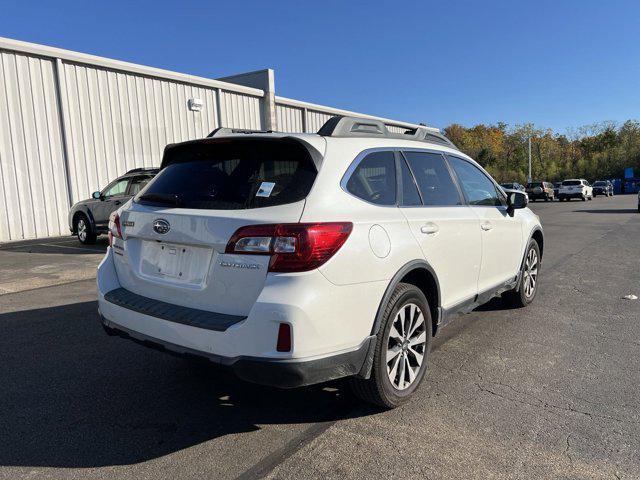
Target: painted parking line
column 84, row 249
column 53, row 245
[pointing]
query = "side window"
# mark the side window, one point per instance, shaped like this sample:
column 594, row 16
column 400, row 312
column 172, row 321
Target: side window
column 137, row 184
column 433, row 177
column 374, row 179
column 117, row 188
column 478, row 188
column 410, row 195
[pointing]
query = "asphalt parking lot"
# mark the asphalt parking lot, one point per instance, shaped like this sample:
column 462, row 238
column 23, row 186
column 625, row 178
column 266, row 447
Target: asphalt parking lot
column 550, row 391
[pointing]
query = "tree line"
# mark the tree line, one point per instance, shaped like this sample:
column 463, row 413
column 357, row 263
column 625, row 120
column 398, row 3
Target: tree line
column 599, row 151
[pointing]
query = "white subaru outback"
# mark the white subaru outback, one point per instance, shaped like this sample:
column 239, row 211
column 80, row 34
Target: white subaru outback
column 299, row 258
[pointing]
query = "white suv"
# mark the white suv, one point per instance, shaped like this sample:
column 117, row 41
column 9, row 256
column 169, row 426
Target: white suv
column 299, row 258
column 575, row 188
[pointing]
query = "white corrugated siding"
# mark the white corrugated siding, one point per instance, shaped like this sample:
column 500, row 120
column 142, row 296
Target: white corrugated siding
column 395, row 129
column 240, row 111
column 289, row 118
column 33, row 182
column 70, row 123
column 119, row 121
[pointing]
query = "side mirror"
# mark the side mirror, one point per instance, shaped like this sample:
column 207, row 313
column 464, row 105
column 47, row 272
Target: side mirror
column 515, row 201
column 96, row 195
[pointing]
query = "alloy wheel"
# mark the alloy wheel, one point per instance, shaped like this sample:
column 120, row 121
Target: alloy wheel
column 82, row 230
column 530, row 273
column 406, row 346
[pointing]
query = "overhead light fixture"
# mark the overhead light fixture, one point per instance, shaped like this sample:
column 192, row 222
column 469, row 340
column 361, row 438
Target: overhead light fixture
column 195, row 104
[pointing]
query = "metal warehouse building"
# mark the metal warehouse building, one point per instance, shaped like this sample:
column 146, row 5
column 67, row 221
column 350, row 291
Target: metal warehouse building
column 70, row 123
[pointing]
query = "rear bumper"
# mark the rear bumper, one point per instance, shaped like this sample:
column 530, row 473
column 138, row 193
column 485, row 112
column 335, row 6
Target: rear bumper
column 535, row 196
column 282, row 373
column 330, row 339
column 570, row 195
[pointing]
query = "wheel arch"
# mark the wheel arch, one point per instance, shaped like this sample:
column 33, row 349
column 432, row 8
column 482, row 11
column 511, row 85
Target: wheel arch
column 420, row 274
column 87, row 213
column 538, row 236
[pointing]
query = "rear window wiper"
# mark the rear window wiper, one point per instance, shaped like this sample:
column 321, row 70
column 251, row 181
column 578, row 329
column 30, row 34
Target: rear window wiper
column 161, row 198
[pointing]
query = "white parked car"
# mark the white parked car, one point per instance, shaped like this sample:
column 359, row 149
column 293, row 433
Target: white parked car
column 299, row 258
column 575, row 188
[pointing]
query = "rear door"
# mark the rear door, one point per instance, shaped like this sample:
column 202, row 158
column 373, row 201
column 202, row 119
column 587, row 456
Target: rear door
column 176, row 230
column 501, row 234
column 446, row 229
column 137, row 183
column 112, row 197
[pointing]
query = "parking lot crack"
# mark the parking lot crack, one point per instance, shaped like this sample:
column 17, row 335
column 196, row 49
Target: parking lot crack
column 546, row 405
column 566, row 449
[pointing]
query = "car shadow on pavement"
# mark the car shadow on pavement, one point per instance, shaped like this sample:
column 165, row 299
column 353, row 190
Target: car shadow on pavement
column 73, row 397
column 609, row 210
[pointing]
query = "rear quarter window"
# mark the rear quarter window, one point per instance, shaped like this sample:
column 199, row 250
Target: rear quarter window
column 374, row 179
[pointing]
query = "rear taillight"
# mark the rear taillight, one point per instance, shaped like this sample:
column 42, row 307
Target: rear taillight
column 114, row 227
column 294, row 247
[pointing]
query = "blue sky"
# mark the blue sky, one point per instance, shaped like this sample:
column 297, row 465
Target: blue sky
column 558, row 63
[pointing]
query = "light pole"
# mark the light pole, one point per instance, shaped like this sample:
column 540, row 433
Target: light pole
column 530, row 179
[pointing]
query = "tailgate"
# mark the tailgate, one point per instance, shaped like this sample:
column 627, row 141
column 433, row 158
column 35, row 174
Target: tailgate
column 187, row 265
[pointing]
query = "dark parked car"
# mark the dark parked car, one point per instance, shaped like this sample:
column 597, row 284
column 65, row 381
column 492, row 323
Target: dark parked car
column 540, row 190
column 556, row 188
column 603, row 187
column 512, row 186
column 90, row 218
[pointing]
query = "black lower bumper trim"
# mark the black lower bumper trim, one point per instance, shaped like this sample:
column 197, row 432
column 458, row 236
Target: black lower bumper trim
column 264, row 371
column 193, row 317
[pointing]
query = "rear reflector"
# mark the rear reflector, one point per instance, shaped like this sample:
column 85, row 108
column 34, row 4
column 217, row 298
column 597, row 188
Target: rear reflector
column 294, row 247
column 284, row 338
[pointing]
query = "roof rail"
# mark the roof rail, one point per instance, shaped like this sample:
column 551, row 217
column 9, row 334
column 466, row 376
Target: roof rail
column 222, row 131
column 340, row 126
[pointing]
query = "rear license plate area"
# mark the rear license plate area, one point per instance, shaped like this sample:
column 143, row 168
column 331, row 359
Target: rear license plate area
column 175, row 263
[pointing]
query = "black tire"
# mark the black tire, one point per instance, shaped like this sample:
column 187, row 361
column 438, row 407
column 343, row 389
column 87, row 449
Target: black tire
column 378, row 389
column 86, row 235
column 517, row 298
column 590, row 198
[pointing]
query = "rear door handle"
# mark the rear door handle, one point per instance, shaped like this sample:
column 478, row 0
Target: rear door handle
column 117, row 202
column 486, row 226
column 429, row 228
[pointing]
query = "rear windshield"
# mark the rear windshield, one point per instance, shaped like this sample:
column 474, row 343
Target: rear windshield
column 534, row 184
column 230, row 174
column 507, row 185
column 572, row 182
column 600, row 184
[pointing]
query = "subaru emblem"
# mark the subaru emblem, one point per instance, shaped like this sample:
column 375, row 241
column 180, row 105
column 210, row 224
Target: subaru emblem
column 161, row 226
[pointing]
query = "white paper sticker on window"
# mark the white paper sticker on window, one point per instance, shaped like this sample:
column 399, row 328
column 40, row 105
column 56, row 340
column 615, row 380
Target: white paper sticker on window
column 265, row 189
